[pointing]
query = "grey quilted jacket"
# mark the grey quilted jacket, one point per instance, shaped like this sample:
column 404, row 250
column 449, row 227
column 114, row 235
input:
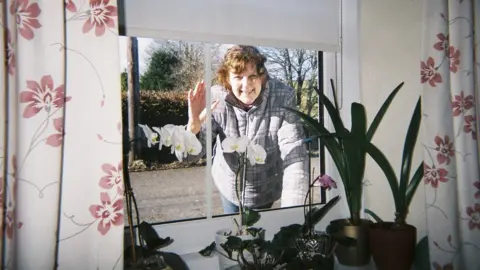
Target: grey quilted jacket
column 285, row 172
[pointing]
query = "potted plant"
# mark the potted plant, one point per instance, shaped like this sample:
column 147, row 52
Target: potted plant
column 148, row 255
column 393, row 243
column 348, row 151
column 303, row 246
column 247, row 152
column 143, row 250
column 296, row 246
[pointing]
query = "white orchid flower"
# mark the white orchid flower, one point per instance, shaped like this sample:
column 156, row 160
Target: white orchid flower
column 256, row 154
column 152, row 137
column 166, row 134
column 192, row 144
column 235, row 144
column 178, row 142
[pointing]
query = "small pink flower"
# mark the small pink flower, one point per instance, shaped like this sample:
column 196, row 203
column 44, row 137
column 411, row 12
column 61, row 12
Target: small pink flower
column 326, row 182
column 26, row 16
column 442, row 43
column 444, row 149
column 42, row 96
column 70, row 6
column 462, row 103
column 107, row 212
column 470, row 125
column 434, row 175
column 429, row 72
column 100, row 16
column 113, row 176
column 477, row 185
column 454, row 55
column 474, row 213
column 56, row 139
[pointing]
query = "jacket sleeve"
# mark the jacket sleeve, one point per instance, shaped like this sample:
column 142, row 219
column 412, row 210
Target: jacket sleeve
column 294, row 155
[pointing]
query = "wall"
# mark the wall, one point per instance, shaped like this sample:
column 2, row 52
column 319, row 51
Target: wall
column 389, row 54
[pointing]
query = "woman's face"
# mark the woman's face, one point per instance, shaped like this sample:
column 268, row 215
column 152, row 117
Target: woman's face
column 246, row 86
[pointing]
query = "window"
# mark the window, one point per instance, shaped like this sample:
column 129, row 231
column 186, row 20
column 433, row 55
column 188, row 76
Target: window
column 195, row 197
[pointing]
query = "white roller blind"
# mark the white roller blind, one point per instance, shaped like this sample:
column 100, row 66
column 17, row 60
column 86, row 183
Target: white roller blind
column 308, row 24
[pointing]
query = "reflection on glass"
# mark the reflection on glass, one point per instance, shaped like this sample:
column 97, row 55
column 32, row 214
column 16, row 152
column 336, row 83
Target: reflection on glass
column 249, row 88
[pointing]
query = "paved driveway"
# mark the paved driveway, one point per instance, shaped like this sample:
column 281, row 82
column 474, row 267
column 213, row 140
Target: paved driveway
column 176, row 194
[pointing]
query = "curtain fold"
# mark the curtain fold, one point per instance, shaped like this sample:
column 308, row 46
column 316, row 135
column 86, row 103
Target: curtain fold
column 61, row 146
column 450, row 72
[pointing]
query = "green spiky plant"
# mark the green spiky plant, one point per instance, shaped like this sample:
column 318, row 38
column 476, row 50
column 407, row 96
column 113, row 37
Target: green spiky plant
column 348, row 148
column 404, row 187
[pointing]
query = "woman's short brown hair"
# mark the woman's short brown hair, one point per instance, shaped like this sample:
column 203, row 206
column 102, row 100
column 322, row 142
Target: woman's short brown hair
column 236, row 60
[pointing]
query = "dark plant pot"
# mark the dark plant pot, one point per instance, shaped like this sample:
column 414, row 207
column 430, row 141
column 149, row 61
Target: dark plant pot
column 392, row 248
column 357, row 254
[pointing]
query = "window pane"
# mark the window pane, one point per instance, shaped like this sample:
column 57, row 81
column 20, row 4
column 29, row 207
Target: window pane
column 293, row 73
column 165, row 188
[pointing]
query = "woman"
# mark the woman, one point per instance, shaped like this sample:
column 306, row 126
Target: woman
column 249, row 102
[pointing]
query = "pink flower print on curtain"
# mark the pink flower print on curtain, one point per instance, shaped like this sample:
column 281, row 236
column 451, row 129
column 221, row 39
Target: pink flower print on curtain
column 100, row 16
column 108, row 213
column 113, row 177
column 27, row 17
column 42, row 96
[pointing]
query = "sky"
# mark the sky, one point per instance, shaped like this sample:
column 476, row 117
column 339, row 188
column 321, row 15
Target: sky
column 143, row 44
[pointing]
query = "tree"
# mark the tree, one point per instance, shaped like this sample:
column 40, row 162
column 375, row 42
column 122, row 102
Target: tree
column 191, row 57
column 298, row 69
column 160, row 73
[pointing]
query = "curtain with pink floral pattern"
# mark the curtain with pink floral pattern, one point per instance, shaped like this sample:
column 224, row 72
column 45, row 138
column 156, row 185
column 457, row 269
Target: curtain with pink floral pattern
column 60, row 135
column 450, row 72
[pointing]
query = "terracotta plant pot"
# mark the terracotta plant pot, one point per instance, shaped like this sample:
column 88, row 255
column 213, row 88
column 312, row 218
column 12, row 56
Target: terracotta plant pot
column 392, row 248
column 357, row 254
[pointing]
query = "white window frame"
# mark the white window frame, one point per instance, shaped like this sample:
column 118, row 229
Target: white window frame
column 192, row 235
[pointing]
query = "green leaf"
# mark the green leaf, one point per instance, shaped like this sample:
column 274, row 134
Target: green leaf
column 408, row 149
column 356, row 156
column 333, row 110
column 316, row 214
column 412, row 186
column 251, row 217
column 234, row 242
column 206, row 252
column 422, row 255
column 373, row 215
column 381, row 112
column 151, row 238
column 256, row 231
column 287, row 235
column 328, row 139
column 387, row 169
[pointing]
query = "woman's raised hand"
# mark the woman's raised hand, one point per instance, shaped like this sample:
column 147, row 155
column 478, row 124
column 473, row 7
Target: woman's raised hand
column 196, row 102
column 196, row 107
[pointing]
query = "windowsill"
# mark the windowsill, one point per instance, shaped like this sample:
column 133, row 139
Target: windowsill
column 197, row 261
column 192, row 236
